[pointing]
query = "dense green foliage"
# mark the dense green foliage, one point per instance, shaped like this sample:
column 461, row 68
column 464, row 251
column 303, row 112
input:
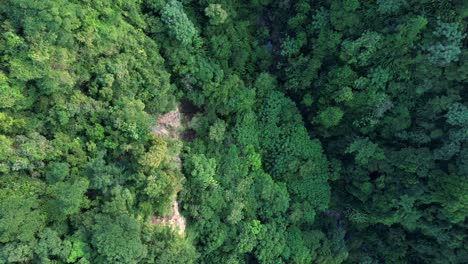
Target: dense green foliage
column 327, row 131
column 79, row 81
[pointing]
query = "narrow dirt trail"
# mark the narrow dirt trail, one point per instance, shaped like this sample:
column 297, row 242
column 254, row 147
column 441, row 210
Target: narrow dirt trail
column 169, row 125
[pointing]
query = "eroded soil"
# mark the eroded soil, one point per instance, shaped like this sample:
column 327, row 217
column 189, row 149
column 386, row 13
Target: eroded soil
column 169, row 125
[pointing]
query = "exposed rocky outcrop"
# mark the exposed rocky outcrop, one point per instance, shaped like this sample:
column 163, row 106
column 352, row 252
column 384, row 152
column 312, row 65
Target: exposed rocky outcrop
column 169, row 125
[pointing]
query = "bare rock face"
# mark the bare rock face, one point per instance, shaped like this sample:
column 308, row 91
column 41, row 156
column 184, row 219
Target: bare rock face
column 174, row 220
column 168, row 125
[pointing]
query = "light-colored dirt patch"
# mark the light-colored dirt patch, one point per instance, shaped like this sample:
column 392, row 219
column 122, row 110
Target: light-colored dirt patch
column 174, row 220
column 168, row 125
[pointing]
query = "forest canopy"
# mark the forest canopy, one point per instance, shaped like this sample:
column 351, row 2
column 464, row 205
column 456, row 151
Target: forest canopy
column 331, row 131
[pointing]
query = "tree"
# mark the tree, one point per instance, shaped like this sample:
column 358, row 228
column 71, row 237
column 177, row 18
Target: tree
column 330, row 116
column 5, row 153
column 9, row 96
column 216, row 14
column 155, row 155
column 365, row 151
column 67, row 198
column 117, row 239
column 178, row 23
column 457, row 115
column 449, row 47
column 450, row 192
column 343, row 13
column 102, row 176
column 361, row 50
column 57, row 172
column 168, row 247
column 272, row 242
column 50, row 245
column 217, row 131
column 16, row 252
column 390, row 6
column 203, row 170
column 20, row 219
column 129, row 117
column 76, row 248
